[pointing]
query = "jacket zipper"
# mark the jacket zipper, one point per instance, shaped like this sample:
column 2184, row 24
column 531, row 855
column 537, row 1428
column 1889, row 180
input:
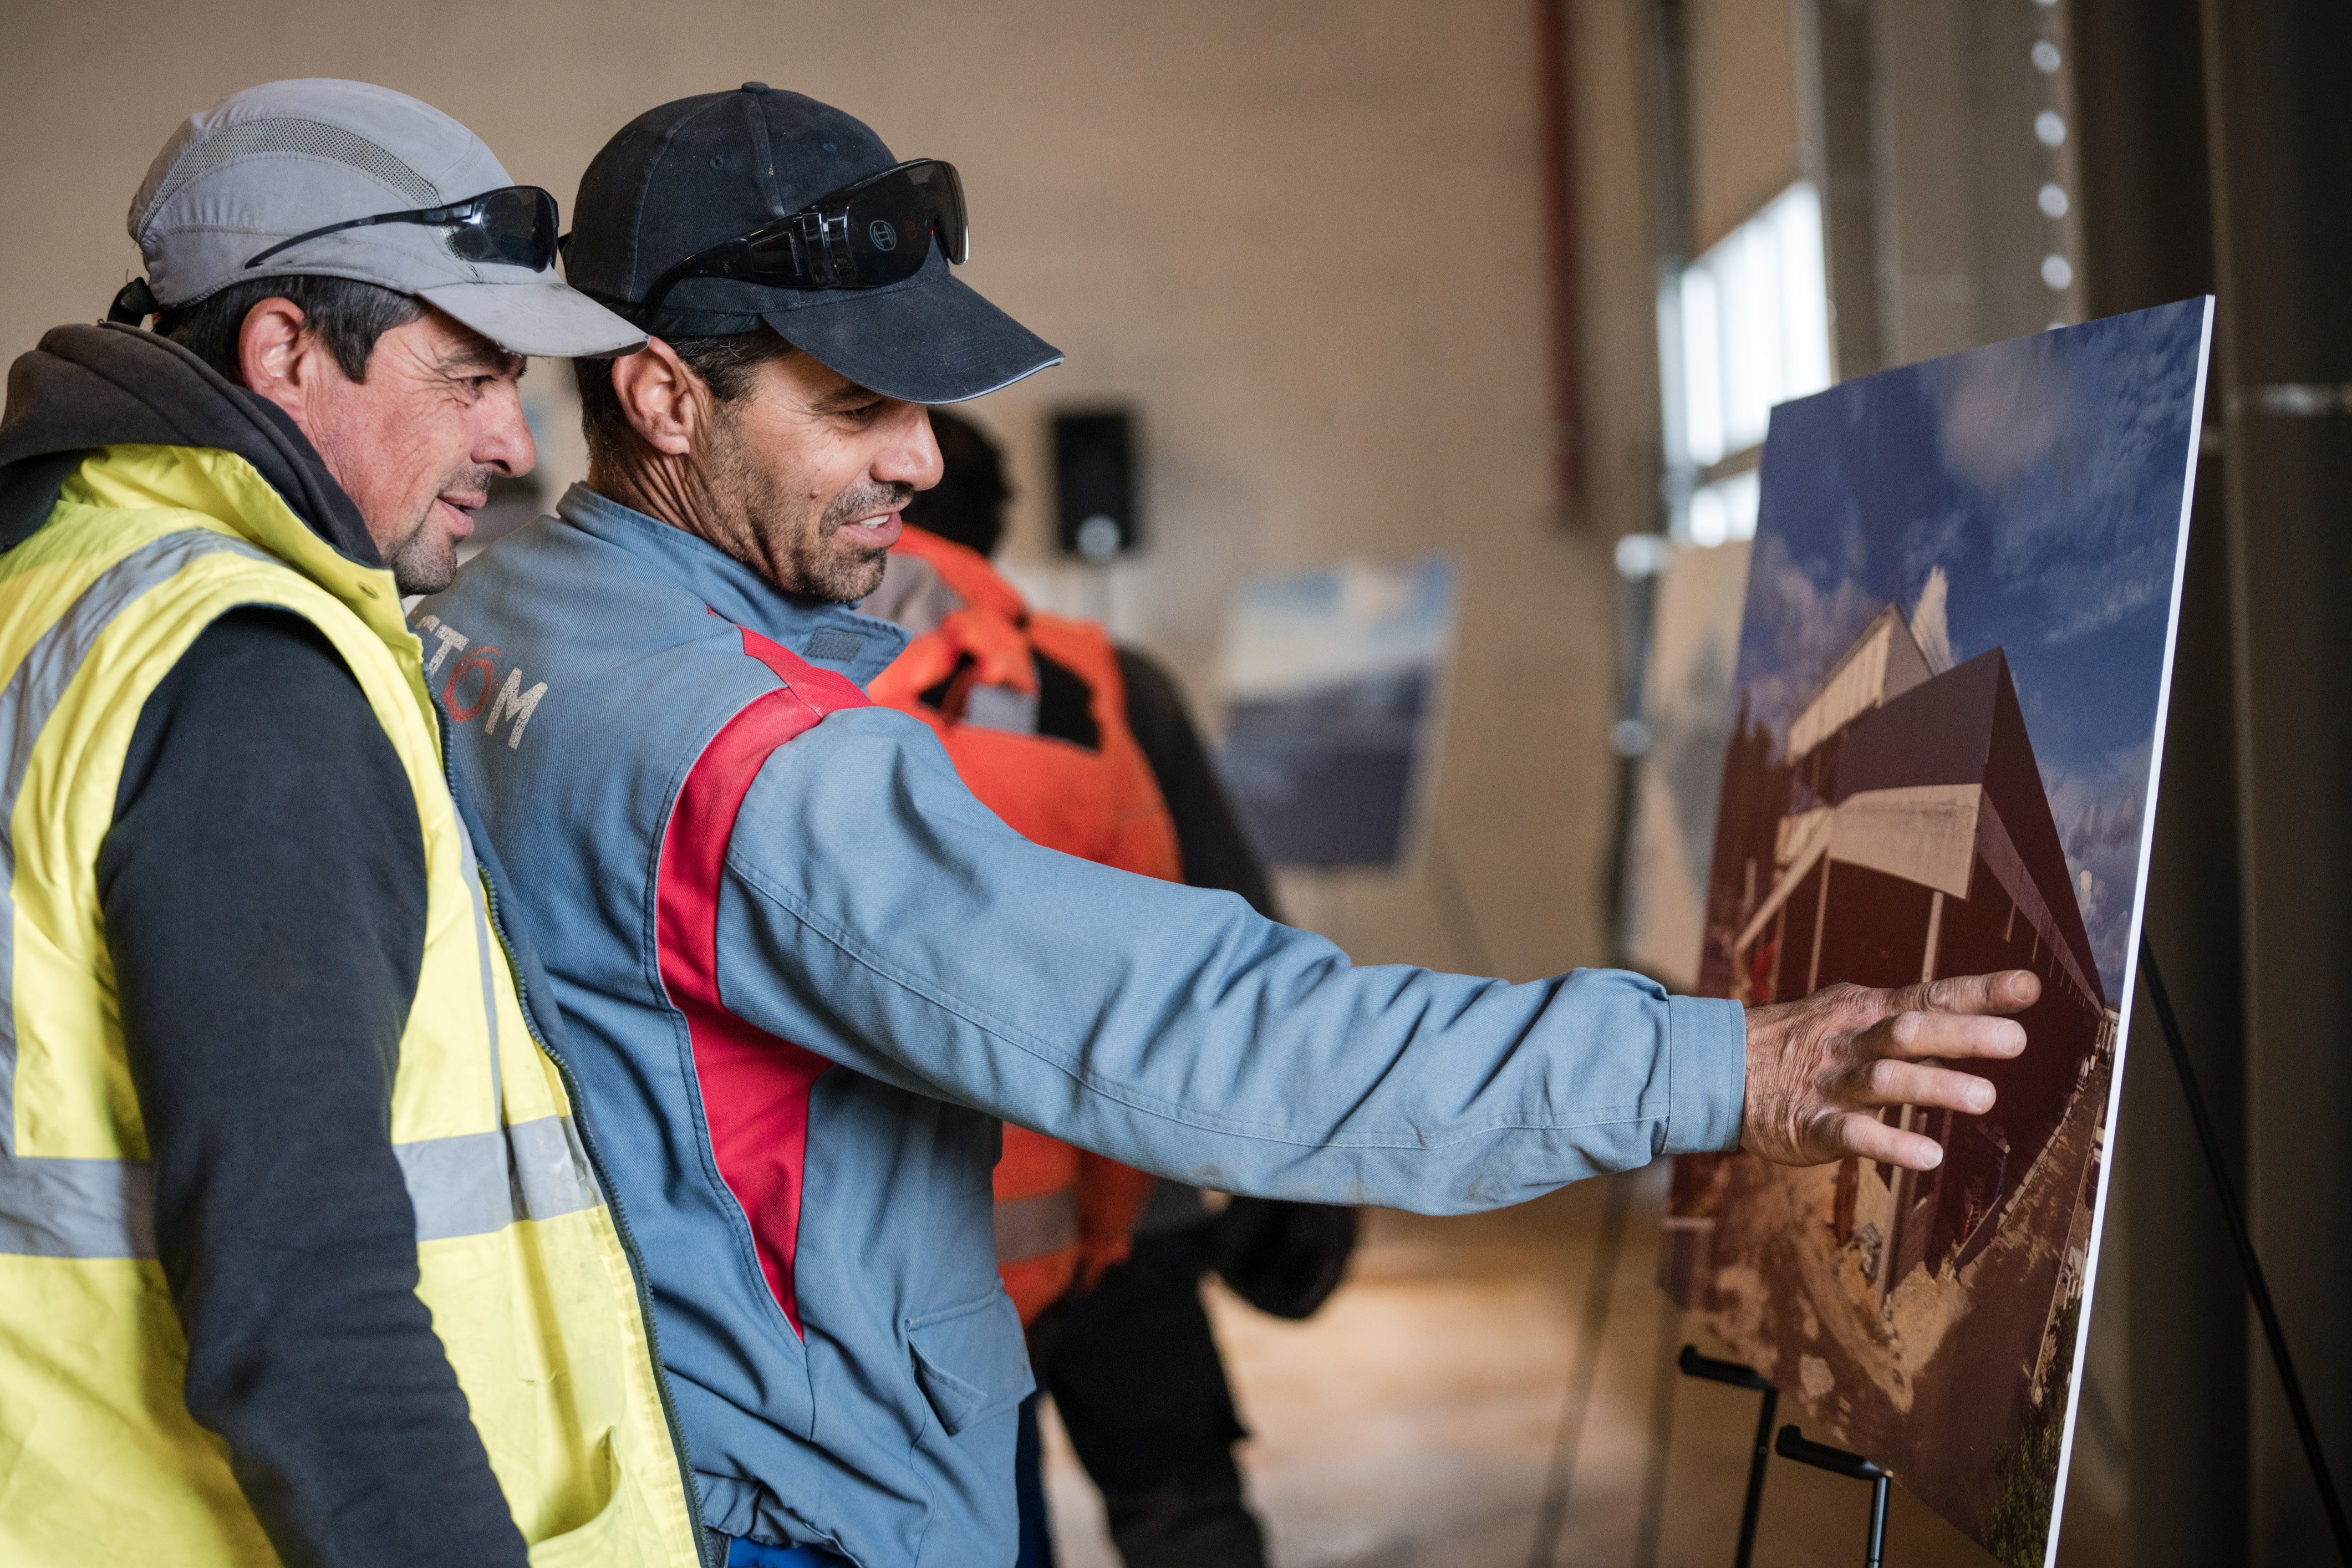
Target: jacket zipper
column 597, row 1163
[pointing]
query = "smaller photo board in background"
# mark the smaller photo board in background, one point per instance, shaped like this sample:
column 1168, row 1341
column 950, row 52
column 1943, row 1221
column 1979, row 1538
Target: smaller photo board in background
column 1331, row 681
column 1687, row 708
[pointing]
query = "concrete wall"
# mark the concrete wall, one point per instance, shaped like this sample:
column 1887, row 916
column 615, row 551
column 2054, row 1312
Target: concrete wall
column 1304, row 240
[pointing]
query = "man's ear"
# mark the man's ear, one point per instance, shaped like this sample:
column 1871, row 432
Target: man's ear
column 281, row 361
column 665, row 402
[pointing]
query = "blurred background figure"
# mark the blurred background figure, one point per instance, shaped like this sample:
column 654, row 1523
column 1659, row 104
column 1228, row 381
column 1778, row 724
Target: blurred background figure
column 1087, row 747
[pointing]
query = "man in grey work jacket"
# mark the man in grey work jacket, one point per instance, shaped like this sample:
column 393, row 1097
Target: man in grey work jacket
column 805, row 972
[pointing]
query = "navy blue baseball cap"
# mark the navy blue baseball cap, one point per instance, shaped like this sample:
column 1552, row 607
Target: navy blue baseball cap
column 695, row 174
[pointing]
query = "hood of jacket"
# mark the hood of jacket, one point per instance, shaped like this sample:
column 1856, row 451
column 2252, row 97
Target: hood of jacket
column 107, row 385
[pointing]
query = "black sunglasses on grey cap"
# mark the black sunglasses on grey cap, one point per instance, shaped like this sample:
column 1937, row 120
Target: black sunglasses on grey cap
column 513, row 225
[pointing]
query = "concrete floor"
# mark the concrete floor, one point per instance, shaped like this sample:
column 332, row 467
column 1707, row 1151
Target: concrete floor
column 1412, row 1422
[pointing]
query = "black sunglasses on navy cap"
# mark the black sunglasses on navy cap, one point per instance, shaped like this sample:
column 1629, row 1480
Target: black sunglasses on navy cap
column 873, row 232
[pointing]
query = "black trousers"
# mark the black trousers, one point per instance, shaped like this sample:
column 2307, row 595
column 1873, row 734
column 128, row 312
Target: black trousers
column 1135, row 1375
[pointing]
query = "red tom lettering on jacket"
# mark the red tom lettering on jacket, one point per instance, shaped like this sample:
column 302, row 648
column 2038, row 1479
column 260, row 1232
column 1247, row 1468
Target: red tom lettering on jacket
column 461, row 709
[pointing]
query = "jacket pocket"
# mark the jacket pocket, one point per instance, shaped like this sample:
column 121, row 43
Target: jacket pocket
column 618, row 1533
column 971, row 1361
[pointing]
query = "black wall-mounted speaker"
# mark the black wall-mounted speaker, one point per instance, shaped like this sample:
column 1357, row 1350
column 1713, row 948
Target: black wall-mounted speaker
column 1093, row 484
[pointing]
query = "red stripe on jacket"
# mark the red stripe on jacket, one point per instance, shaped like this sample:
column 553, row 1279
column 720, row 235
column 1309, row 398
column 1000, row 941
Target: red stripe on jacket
column 755, row 1087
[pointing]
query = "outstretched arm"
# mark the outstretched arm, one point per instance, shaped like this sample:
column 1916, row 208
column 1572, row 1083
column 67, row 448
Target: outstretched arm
column 873, row 911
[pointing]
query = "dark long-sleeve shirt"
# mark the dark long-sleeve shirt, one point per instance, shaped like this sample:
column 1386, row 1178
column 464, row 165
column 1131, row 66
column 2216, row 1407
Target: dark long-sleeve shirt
column 1215, row 851
column 263, row 886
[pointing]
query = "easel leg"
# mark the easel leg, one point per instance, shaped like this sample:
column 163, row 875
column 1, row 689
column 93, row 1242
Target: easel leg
column 1753, row 1509
column 1791, row 1444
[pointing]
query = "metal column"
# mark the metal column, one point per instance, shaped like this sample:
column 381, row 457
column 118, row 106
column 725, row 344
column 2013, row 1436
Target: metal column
column 2147, row 237
column 2282, row 166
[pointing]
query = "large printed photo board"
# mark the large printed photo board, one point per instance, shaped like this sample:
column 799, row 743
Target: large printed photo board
column 1949, row 715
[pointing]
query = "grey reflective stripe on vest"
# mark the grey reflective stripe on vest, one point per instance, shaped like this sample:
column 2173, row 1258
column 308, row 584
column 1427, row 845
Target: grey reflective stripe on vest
column 464, row 1185
column 34, row 689
column 1032, row 1228
column 76, row 1208
column 477, row 1183
column 459, row 1186
column 71, row 1208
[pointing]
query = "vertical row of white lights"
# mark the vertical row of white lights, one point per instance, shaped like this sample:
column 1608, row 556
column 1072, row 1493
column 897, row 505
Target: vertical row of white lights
column 1752, row 320
column 2049, row 129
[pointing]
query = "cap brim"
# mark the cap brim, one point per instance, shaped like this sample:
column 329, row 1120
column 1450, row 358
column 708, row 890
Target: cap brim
column 934, row 340
column 543, row 318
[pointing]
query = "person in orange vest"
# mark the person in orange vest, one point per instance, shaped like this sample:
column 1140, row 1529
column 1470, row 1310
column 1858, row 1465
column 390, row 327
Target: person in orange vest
column 1062, row 768
column 1085, row 747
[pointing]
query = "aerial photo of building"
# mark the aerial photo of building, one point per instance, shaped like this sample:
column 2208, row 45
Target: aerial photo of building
column 1903, row 831
column 1946, row 728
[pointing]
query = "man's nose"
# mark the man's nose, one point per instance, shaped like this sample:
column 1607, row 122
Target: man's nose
column 911, row 456
column 502, row 436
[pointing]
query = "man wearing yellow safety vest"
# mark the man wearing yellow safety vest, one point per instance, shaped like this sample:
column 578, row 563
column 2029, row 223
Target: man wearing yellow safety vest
column 303, row 1253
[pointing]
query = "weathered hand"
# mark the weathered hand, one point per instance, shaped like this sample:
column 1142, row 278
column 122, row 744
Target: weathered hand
column 1819, row 1068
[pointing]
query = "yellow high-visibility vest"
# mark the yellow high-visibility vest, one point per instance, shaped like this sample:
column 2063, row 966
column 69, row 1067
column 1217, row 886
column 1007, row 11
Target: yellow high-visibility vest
column 521, row 1261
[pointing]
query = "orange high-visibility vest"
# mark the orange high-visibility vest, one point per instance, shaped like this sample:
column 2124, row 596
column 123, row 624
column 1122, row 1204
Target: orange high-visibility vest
column 1062, row 1215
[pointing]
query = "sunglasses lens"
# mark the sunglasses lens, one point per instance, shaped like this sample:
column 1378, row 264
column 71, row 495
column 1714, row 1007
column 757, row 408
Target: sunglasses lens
column 887, row 225
column 891, row 218
column 944, row 188
column 512, row 227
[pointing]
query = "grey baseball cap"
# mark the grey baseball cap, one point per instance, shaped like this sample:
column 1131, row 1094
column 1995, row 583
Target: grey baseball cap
column 275, row 162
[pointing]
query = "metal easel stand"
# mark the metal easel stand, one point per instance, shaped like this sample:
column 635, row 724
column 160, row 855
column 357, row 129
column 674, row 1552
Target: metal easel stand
column 1793, row 1445
column 1697, row 1365
column 1837, row 1461
column 2256, row 1286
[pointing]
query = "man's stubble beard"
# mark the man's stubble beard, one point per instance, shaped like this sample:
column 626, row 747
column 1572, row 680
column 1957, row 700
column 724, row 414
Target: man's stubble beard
column 805, row 559
column 424, row 558
column 851, row 575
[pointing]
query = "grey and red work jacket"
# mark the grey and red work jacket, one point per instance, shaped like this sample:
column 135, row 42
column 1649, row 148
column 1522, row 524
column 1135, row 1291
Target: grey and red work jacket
column 805, row 973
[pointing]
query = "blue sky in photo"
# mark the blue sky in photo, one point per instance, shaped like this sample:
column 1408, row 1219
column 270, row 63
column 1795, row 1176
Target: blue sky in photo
column 2043, row 478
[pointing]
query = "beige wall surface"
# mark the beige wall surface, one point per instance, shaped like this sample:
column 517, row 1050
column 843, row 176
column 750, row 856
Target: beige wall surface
column 1303, row 239
column 1743, row 110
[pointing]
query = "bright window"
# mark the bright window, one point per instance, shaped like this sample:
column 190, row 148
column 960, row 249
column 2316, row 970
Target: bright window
column 1725, row 509
column 1744, row 326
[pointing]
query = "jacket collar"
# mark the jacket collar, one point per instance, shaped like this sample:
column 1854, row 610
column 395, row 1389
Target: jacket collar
column 832, row 637
column 228, row 488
